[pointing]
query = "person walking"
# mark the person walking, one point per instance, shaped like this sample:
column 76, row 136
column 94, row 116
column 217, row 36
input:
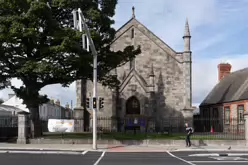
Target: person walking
column 189, row 131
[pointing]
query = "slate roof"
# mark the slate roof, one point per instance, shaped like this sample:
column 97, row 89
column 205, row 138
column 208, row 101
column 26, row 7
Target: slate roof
column 9, row 108
column 233, row 87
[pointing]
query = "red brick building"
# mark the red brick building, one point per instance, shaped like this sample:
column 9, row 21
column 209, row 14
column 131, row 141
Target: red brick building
column 224, row 106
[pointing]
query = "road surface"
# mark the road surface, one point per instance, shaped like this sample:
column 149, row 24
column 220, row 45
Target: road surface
column 125, row 158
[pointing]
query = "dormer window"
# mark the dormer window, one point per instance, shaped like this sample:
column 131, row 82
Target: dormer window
column 132, row 33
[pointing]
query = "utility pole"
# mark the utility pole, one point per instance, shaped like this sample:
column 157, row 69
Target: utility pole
column 82, row 25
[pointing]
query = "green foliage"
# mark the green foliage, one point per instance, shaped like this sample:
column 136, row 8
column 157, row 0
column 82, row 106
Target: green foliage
column 39, row 47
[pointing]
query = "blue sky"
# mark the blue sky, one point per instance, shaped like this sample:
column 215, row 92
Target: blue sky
column 219, row 30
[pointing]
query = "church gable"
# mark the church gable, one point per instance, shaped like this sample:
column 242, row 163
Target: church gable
column 133, row 78
column 128, row 30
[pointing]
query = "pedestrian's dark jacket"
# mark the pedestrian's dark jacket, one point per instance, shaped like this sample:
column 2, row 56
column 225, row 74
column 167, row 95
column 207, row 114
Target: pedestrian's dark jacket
column 189, row 130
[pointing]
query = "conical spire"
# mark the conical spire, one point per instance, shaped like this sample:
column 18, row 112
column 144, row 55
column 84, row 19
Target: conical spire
column 151, row 79
column 151, row 73
column 186, row 30
column 124, row 75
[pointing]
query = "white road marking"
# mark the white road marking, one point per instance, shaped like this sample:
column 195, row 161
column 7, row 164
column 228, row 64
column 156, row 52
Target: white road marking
column 3, row 152
column 215, row 154
column 237, row 154
column 41, row 152
column 100, row 158
column 205, row 155
column 219, row 161
column 180, row 158
column 84, row 152
column 214, row 150
column 228, row 158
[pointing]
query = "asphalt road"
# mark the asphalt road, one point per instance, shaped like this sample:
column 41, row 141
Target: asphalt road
column 130, row 158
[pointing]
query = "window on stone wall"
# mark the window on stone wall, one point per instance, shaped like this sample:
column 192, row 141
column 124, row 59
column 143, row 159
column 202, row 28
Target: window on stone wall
column 227, row 115
column 132, row 33
column 240, row 114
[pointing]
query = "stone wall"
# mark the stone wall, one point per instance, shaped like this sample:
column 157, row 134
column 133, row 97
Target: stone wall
column 172, row 94
column 171, row 82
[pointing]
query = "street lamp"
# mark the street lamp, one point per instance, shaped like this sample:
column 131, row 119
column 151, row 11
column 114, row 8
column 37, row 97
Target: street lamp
column 81, row 24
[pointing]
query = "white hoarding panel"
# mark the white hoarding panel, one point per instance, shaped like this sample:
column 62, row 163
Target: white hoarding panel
column 59, row 125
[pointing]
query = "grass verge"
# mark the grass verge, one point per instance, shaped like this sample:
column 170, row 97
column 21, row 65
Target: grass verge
column 130, row 136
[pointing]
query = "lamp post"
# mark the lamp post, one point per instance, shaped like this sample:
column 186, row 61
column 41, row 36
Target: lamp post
column 82, row 25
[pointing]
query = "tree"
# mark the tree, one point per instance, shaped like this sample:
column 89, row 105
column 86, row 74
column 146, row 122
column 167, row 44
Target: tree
column 1, row 101
column 39, row 47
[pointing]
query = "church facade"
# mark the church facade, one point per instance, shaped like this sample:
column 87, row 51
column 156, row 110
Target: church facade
column 155, row 85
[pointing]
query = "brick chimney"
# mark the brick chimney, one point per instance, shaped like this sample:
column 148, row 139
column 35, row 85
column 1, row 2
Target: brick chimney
column 223, row 70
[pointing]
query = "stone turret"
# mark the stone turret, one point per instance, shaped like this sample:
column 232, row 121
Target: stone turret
column 151, row 79
column 186, row 37
column 187, row 67
column 124, row 75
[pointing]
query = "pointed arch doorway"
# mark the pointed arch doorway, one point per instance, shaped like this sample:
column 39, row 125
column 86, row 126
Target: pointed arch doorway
column 132, row 114
column 133, row 106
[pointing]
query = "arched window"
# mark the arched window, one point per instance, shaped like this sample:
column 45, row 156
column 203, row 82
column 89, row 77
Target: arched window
column 132, row 106
column 132, row 33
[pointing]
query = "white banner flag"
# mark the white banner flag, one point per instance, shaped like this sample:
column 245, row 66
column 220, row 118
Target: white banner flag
column 60, row 125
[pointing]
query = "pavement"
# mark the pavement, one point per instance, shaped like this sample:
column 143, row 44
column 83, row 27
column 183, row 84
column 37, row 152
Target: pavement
column 42, row 154
column 130, row 158
column 118, row 148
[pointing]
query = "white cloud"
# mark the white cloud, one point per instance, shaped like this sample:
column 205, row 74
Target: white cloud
column 167, row 19
column 65, row 95
column 205, row 73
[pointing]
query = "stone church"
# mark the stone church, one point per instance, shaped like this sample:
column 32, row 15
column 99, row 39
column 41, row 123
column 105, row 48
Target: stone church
column 155, row 87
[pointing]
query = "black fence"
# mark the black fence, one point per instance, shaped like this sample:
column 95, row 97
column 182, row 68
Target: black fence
column 232, row 129
column 8, row 128
column 203, row 128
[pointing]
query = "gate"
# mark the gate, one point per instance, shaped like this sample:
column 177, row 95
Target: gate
column 8, row 128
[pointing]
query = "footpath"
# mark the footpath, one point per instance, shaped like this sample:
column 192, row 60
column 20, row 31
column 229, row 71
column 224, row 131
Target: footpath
column 114, row 148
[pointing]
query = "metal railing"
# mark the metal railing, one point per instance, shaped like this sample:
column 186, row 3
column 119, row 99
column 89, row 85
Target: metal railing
column 8, row 128
column 212, row 129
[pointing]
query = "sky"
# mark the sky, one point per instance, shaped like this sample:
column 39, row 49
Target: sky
column 219, row 34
